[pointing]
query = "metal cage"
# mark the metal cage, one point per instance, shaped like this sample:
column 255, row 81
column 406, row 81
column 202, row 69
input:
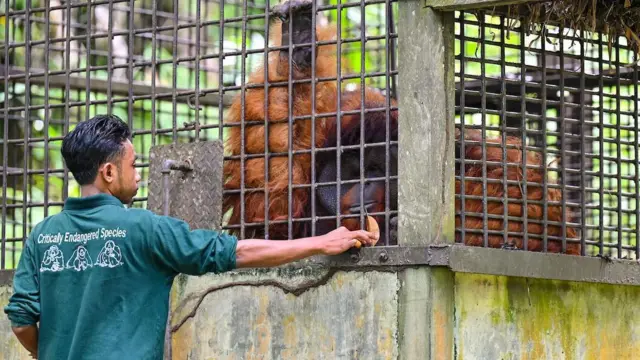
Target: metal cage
column 170, row 69
column 174, row 69
column 568, row 98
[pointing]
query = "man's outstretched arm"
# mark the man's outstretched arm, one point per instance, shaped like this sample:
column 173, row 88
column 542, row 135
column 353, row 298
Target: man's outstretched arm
column 178, row 249
column 268, row 253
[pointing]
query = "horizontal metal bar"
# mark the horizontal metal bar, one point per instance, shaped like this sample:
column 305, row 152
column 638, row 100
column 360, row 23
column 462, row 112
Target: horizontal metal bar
column 468, row 259
column 117, row 87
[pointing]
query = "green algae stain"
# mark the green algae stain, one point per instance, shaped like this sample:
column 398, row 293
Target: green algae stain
column 501, row 318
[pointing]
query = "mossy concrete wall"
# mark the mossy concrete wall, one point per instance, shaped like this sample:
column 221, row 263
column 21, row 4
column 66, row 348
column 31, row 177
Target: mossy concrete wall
column 508, row 318
column 342, row 315
column 354, row 315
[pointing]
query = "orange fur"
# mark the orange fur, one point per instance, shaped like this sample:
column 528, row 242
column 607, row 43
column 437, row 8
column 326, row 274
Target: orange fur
column 278, row 205
column 255, row 180
column 535, row 192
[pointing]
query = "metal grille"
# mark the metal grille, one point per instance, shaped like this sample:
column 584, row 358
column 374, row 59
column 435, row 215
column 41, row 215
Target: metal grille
column 166, row 67
column 570, row 98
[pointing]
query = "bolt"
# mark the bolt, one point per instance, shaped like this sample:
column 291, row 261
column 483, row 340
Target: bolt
column 383, row 257
column 355, row 257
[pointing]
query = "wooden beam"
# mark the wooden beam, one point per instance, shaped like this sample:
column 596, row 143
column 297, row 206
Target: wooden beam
column 452, row 5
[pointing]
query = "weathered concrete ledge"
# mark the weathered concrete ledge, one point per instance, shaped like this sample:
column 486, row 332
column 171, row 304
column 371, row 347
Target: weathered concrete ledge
column 518, row 263
column 466, row 259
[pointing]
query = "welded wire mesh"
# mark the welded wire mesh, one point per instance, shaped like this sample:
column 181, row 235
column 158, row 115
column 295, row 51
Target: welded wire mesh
column 570, row 98
column 170, row 68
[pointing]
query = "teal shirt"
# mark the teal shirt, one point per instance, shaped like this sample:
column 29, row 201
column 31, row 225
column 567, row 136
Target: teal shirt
column 97, row 277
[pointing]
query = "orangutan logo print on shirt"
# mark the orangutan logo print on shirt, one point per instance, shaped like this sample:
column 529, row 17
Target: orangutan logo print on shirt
column 110, row 255
column 80, row 260
column 53, row 260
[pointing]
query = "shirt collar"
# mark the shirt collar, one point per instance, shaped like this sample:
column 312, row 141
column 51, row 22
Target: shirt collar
column 81, row 203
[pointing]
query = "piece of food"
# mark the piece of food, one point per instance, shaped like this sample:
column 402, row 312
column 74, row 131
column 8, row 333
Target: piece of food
column 372, row 226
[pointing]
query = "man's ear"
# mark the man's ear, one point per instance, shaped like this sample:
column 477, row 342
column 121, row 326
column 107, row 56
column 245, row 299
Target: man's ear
column 108, row 172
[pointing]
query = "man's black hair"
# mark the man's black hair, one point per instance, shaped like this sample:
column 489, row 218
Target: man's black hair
column 92, row 143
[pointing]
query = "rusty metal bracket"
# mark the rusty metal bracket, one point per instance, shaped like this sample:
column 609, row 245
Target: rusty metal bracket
column 167, row 166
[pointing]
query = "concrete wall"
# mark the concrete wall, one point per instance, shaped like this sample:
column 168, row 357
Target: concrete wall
column 506, row 318
column 353, row 315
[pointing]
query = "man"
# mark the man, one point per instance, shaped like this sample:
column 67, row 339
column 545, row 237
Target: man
column 97, row 275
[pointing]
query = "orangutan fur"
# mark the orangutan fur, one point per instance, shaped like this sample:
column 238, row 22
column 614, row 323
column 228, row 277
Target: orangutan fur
column 326, row 95
column 535, row 176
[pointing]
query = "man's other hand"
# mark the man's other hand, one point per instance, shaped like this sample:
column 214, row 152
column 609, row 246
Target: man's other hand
column 341, row 239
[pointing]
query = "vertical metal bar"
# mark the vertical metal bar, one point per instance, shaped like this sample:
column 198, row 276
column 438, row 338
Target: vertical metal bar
column 313, row 118
column 221, row 108
column 130, row 60
column 389, row 55
column 154, row 50
column 242, row 135
column 88, row 64
column 27, row 116
column 618, row 150
column 265, row 110
column 462, row 143
column 197, row 69
column 503, row 122
column 5, row 137
column 636, row 147
column 67, row 90
column 362, row 106
column 543, row 114
column 563, row 143
column 485, row 146
column 221, row 77
column 339, row 112
column 523, row 125
column 583, row 144
column 394, row 65
column 110, row 58
column 174, row 78
column 291, row 126
column 601, row 146
column 46, row 106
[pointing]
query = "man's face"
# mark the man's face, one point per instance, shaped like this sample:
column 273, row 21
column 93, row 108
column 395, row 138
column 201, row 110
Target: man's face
column 125, row 183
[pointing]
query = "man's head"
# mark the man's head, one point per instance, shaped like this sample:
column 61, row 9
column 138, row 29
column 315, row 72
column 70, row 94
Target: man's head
column 99, row 152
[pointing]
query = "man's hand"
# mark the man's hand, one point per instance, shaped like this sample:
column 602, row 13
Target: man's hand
column 341, row 240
